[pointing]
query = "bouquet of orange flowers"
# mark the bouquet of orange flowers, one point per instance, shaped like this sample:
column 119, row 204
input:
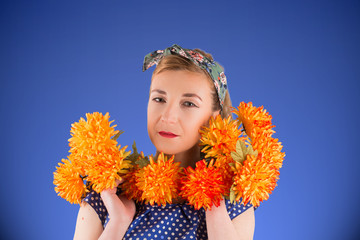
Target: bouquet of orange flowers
column 95, row 159
column 242, row 162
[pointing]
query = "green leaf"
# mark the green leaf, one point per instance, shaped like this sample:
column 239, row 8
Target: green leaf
column 241, row 148
column 134, row 156
column 143, row 162
column 134, row 148
column 242, row 151
column 115, row 137
column 236, row 156
column 252, row 152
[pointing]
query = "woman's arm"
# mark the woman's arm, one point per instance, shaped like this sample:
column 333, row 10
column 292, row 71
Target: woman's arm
column 121, row 212
column 220, row 226
column 88, row 224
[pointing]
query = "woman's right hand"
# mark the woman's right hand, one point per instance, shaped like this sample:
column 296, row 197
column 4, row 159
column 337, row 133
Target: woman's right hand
column 121, row 213
column 119, row 207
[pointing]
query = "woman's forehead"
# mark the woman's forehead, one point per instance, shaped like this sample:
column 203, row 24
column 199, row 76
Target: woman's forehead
column 181, row 80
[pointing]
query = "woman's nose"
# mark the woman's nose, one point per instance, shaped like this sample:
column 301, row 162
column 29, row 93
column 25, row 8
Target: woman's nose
column 169, row 115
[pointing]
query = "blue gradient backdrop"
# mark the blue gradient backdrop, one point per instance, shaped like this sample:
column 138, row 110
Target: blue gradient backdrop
column 300, row 59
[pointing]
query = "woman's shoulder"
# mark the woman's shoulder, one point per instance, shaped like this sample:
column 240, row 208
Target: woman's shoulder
column 94, row 200
column 236, row 208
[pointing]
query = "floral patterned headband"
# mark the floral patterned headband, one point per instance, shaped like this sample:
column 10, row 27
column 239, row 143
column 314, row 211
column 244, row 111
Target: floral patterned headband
column 213, row 68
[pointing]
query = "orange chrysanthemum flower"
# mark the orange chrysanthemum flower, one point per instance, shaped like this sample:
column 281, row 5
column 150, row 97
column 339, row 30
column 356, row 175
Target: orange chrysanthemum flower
column 203, row 186
column 95, row 157
column 270, row 148
column 159, row 180
column 68, row 182
column 227, row 173
column 254, row 181
column 129, row 187
column 253, row 118
column 220, row 137
column 92, row 135
column 107, row 166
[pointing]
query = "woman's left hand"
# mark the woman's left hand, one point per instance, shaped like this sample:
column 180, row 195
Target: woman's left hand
column 121, row 213
column 119, row 207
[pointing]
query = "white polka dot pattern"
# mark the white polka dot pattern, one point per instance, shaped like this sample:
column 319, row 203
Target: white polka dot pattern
column 173, row 221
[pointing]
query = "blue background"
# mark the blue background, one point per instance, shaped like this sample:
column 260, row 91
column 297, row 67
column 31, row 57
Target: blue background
column 300, row 59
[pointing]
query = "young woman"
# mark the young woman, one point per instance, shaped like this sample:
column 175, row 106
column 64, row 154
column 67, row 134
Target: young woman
column 187, row 88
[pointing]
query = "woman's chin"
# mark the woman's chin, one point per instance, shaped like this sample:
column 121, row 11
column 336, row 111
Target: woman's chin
column 167, row 151
column 175, row 149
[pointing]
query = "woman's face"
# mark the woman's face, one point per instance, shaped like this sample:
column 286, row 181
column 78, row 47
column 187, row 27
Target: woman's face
column 180, row 103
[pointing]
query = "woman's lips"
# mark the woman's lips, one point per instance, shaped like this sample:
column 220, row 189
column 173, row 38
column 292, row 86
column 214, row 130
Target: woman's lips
column 167, row 134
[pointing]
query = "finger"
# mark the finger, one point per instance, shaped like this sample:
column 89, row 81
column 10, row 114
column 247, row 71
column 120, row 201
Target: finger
column 118, row 181
column 114, row 189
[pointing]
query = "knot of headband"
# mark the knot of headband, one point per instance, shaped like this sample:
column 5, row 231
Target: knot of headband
column 213, row 68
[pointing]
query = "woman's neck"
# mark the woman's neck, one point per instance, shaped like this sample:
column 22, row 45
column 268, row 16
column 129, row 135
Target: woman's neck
column 187, row 158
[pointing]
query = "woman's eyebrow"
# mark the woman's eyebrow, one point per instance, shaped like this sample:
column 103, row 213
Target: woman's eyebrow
column 158, row 91
column 192, row 95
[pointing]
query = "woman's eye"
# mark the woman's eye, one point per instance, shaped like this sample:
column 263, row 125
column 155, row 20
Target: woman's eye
column 189, row 104
column 157, row 99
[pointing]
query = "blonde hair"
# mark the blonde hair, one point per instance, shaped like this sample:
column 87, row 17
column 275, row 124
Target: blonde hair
column 176, row 62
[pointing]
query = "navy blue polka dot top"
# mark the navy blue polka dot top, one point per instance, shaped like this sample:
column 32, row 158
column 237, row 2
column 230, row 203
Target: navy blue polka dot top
column 173, row 221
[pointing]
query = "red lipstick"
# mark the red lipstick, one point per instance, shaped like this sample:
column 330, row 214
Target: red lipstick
column 167, row 134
